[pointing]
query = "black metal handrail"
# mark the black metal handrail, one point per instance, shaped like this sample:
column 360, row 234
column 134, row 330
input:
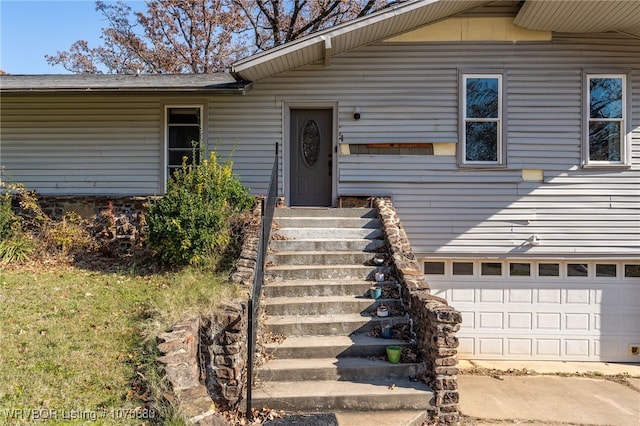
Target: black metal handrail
column 253, row 305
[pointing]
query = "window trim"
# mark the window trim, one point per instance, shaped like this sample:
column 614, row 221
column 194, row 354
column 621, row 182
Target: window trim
column 165, row 152
column 501, row 149
column 625, row 142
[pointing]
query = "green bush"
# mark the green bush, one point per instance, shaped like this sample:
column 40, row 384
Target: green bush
column 15, row 245
column 15, row 249
column 9, row 220
column 192, row 221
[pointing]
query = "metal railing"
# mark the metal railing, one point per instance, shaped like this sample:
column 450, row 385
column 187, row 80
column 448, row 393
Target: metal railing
column 253, row 305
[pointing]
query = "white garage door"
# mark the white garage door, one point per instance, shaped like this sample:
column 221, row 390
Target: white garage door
column 542, row 310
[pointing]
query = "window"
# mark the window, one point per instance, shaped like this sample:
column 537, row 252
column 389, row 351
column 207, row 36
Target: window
column 577, row 269
column 434, row 268
column 609, row 270
column 549, row 269
column 184, row 136
column 462, row 268
column 632, row 270
column 491, row 268
column 520, row 269
column 606, row 110
column 481, row 119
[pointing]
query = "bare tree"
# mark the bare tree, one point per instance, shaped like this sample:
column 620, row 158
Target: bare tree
column 201, row 36
column 275, row 22
column 172, row 36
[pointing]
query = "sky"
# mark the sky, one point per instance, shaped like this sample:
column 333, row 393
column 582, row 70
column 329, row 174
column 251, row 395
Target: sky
column 31, row 29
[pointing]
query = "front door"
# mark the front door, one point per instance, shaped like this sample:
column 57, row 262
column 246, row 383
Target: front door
column 311, row 143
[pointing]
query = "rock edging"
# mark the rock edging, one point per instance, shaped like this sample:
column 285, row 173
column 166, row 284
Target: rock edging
column 179, row 361
column 435, row 323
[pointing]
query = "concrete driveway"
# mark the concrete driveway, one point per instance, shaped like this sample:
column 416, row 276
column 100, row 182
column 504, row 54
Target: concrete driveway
column 549, row 393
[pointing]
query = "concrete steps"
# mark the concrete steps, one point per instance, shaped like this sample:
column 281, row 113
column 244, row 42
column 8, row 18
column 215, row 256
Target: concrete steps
column 354, row 345
column 328, row 324
column 309, row 288
column 330, row 395
column 326, row 305
column 350, row 369
column 328, row 233
column 326, row 244
column 319, row 257
column 317, row 307
column 322, row 272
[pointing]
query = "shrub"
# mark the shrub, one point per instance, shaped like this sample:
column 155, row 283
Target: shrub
column 14, row 243
column 9, row 220
column 192, row 222
column 68, row 236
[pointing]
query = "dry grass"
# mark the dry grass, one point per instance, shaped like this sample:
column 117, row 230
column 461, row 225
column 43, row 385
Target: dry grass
column 75, row 341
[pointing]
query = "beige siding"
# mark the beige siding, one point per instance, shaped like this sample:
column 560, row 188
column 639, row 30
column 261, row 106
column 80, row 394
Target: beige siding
column 408, row 93
column 245, row 130
column 82, row 144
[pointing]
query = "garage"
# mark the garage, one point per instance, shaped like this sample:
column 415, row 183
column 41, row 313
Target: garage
column 570, row 310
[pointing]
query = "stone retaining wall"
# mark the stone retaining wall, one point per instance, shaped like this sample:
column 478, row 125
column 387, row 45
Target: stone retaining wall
column 224, row 353
column 216, row 371
column 119, row 221
column 435, row 323
column 180, row 349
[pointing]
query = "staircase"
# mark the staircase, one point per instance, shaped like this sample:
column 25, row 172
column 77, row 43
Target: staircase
column 324, row 350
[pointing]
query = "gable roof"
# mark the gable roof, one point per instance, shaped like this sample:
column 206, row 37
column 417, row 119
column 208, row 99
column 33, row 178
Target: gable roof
column 221, row 83
column 586, row 16
column 377, row 26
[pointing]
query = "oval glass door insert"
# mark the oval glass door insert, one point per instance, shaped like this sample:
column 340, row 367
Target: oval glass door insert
column 311, row 142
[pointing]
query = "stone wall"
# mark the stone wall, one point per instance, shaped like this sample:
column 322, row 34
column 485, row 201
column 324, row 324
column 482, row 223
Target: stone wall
column 180, row 349
column 224, row 352
column 435, row 323
column 214, row 374
column 246, row 264
column 117, row 221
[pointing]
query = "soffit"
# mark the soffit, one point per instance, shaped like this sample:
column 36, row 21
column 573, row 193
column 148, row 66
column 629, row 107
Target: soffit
column 587, row 16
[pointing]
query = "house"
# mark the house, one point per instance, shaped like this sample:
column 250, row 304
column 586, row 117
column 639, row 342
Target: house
column 506, row 132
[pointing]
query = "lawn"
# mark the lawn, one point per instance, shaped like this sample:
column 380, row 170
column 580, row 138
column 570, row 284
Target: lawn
column 78, row 346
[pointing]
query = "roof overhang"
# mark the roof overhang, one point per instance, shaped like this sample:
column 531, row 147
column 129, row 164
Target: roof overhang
column 221, row 83
column 321, row 45
column 585, row 16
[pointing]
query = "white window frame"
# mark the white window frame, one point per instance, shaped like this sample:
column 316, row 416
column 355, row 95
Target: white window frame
column 625, row 135
column 168, row 107
column 500, row 148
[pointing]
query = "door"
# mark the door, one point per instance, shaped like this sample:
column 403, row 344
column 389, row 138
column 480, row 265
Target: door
column 543, row 310
column 311, row 144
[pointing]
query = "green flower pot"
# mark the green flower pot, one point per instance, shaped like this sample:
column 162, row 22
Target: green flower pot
column 393, row 354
